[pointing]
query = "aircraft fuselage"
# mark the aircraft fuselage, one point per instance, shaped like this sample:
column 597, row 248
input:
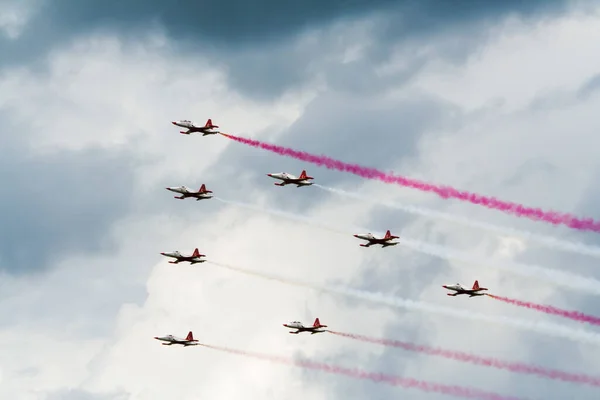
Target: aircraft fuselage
column 289, row 179
column 179, row 258
column 191, row 128
column 459, row 290
column 299, row 330
column 384, row 242
column 183, row 342
column 187, row 193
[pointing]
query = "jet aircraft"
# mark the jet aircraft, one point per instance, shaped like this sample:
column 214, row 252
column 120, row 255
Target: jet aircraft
column 301, row 328
column 458, row 289
column 186, row 192
column 191, row 127
column 171, row 340
column 193, row 259
column 384, row 241
column 289, row 179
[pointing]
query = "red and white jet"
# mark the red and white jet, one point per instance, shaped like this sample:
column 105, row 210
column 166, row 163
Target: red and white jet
column 186, row 192
column 195, row 258
column 170, row 339
column 384, row 241
column 191, row 127
column 301, row 328
column 458, row 289
column 289, row 179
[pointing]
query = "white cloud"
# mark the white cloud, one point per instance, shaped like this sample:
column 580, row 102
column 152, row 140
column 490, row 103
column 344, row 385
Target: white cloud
column 14, row 15
column 522, row 62
column 102, row 92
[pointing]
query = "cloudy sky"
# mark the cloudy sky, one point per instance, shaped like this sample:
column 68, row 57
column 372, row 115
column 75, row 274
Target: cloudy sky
column 496, row 97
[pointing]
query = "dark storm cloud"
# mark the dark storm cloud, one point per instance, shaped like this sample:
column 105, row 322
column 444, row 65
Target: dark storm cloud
column 252, row 38
column 417, row 17
column 232, row 23
column 237, row 23
column 216, row 26
column 65, row 202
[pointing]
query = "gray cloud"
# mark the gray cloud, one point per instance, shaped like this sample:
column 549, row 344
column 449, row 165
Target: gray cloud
column 235, row 24
column 230, row 23
column 63, row 202
column 253, row 42
column 267, row 71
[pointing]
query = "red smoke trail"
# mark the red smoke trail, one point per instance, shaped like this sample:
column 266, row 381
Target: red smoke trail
column 574, row 315
column 553, row 217
column 408, row 383
column 478, row 360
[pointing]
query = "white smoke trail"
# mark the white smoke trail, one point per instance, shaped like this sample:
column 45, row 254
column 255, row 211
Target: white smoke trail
column 559, row 278
column 550, row 329
column 286, row 215
column 579, row 248
column 573, row 281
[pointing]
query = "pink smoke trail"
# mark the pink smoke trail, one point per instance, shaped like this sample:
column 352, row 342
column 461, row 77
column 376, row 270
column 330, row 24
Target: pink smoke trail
column 408, row 383
column 446, row 192
column 479, row 360
column 574, row 315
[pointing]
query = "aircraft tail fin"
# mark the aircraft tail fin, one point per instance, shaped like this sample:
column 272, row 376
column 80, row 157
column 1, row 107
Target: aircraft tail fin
column 203, row 189
column 476, row 285
column 388, row 235
column 196, row 252
column 317, row 324
column 304, row 176
column 190, row 336
column 209, row 124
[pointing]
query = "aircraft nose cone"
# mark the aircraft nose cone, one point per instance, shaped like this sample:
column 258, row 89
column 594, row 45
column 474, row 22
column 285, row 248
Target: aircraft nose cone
column 174, row 123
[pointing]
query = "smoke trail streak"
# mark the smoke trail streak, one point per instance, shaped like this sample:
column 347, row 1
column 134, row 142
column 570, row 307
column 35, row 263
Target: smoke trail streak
column 559, row 278
column 574, row 315
column 545, row 240
column 397, row 302
column 446, row 192
column 567, row 279
column 286, row 215
column 511, row 366
column 407, row 383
